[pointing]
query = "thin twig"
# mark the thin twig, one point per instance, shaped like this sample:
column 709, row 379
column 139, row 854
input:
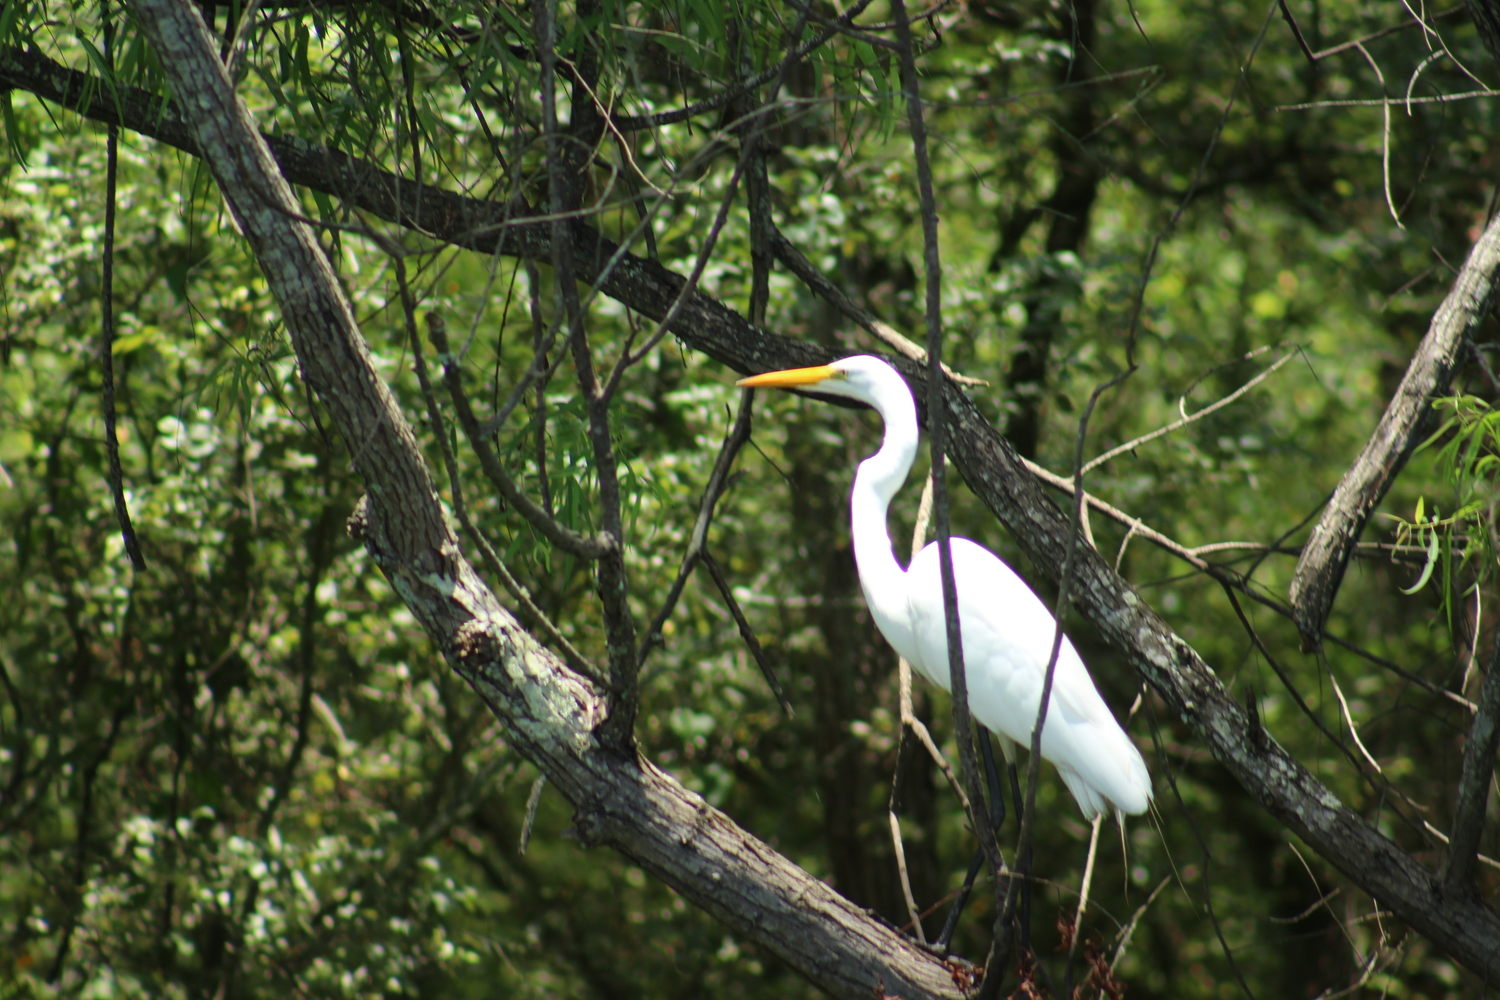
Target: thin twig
column 796, row 261
column 900, row 848
column 1197, row 414
column 1083, row 895
column 107, row 322
column 1385, row 135
column 1466, row 95
column 713, row 491
column 1345, row 46
column 746, row 632
column 1349, row 720
column 1129, row 930
column 1286, row 15
column 532, row 801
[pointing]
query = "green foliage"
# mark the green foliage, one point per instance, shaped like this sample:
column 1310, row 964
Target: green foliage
column 1461, row 548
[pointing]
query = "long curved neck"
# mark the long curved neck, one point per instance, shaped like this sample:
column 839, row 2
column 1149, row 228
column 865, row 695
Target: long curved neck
column 876, row 482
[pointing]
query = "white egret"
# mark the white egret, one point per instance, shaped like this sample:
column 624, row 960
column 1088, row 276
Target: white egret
column 1007, row 631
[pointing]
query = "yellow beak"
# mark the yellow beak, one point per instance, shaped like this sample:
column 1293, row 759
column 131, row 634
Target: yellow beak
column 791, row 377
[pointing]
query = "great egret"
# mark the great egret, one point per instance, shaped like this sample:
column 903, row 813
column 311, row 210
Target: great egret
column 1007, row 631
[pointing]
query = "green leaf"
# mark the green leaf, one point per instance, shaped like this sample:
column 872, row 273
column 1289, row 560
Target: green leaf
column 1432, row 558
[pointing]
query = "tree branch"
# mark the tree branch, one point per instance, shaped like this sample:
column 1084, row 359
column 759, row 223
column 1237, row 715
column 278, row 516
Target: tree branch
column 1474, row 785
column 1321, row 567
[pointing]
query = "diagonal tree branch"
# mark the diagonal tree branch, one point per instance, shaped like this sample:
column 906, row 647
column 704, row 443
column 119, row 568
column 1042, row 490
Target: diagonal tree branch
column 1320, row 569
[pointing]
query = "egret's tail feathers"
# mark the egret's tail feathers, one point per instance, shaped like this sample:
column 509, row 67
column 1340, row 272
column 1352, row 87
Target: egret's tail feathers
column 1126, row 792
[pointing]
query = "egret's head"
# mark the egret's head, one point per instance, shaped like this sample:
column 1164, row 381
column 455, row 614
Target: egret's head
column 860, row 377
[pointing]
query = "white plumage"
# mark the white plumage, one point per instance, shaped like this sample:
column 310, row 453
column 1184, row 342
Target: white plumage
column 1007, row 631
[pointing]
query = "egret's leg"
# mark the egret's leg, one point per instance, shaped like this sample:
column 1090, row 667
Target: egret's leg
column 997, row 816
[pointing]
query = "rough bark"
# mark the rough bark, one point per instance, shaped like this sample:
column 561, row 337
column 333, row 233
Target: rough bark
column 1320, row 568
column 551, row 714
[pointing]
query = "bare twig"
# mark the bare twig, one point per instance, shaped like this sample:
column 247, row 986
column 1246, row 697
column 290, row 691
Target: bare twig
column 1349, row 721
column 1135, row 918
column 1083, row 895
column 746, row 632
column 796, row 262
column 1196, row 415
column 911, row 902
column 107, row 323
column 1346, row 46
column 553, row 530
column 718, row 482
column 532, row 801
column 1385, row 135
column 1467, row 95
column 1286, row 15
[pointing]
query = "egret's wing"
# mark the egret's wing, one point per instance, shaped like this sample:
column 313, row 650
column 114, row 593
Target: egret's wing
column 1008, row 634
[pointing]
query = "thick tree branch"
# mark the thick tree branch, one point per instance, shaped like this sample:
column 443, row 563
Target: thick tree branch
column 550, row 714
column 1321, row 567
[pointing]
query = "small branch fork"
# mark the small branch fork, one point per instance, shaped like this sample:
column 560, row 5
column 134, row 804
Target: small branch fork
column 697, row 552
column 1315, row 57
